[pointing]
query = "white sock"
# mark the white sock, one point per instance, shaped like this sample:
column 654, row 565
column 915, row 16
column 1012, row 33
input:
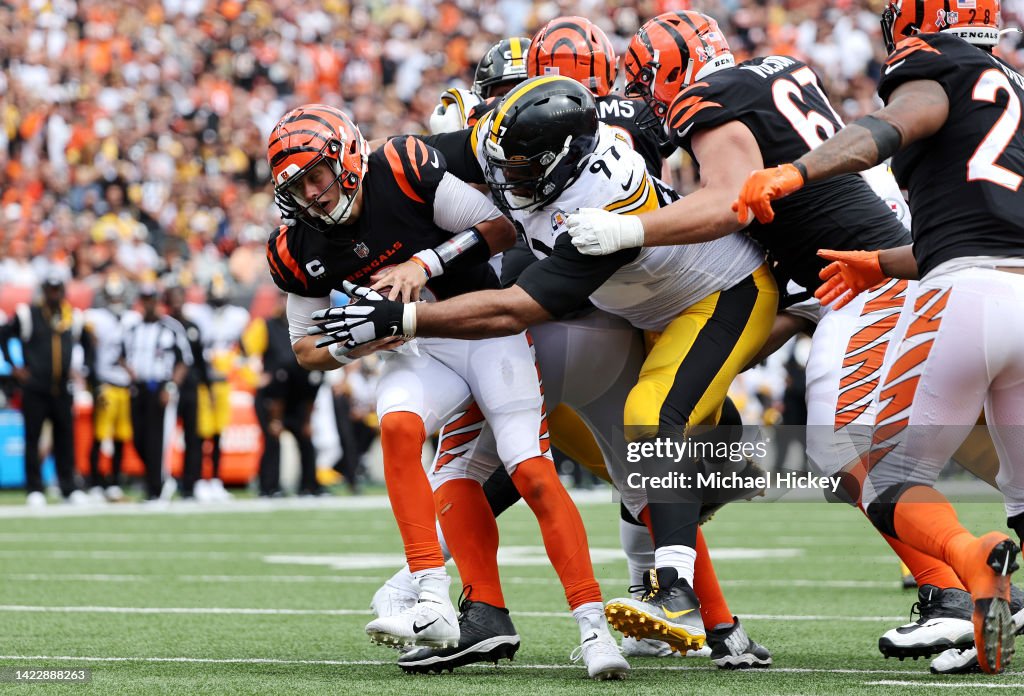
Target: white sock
column 590, row 617
column 636, row 542
column 680, row 557
column 403, row 579
column 445, row 553
column 434, row 581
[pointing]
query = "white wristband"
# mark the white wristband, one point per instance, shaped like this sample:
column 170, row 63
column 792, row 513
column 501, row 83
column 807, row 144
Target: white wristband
column 431, row 260
column 340, row 353
column 409, row 321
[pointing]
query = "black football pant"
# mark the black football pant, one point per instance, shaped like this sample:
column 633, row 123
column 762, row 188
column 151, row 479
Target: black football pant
column 188, row 412
column 148, row 433
column 37, row 408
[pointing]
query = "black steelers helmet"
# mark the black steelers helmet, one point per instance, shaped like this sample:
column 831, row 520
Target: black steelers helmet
column 537, row 140
column 504, row 63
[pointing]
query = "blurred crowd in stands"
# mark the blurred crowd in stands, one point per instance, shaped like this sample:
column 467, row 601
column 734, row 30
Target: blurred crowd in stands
column 132, row 132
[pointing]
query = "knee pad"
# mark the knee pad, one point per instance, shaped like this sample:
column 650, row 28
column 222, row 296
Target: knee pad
column 881, row 511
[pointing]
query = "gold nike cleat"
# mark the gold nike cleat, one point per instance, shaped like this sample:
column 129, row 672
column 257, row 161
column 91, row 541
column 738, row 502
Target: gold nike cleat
column 667, row 611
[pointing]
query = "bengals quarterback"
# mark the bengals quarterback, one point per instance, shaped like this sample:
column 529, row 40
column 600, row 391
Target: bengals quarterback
column 357, row 212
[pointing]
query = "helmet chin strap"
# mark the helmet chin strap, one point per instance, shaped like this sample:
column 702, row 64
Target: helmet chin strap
column 341, row 212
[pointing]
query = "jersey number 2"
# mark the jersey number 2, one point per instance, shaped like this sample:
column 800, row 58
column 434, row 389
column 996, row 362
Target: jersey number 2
column 982, row 166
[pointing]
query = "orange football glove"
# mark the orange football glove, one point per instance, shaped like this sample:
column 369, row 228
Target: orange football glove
column 764, row 186
column 849, row 274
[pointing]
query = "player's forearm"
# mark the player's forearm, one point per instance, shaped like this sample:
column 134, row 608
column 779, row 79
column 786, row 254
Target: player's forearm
column 484, row 314
column 700, row 217
column 312, row 358
column 899, row 262
column 915, row 110
column 851, row 150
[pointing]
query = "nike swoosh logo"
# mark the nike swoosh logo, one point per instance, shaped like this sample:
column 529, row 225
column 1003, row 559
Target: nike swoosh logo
column 394, row 330
column 419, row 629
column 676, row 614
column 892, row 67
column 629, row 182
column 683, row 132
column 434, row 161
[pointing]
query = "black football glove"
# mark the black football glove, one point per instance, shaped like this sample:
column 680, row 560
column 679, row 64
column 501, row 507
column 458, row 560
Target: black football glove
column 369, row 317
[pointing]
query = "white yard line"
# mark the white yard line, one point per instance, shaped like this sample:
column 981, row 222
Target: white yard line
column 696, row 666
column 379, row 579
column 241, row 611
column 940, row 685
column 363, row 502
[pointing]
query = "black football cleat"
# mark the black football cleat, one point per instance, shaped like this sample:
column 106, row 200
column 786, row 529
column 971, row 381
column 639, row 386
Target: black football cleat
column 486, row 634
column 732, row 648
column 944, row 623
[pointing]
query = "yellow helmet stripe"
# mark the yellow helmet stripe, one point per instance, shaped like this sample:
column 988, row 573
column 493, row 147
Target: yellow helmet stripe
column 510, row 100
column 517, row 50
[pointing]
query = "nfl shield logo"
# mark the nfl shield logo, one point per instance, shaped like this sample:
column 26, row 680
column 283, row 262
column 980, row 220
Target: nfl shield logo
column 362, row 251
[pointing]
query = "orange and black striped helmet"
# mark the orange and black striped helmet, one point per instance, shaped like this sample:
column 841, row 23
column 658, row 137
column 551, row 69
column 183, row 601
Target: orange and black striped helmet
column 671, row 52
column 574, row 47
column 976, row 21
column 305, row 137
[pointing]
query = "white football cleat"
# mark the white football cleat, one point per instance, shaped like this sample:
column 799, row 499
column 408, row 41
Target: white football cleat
column 393, row 598
column 648, row 647
column 78, row 498
column 36, row 499
column 115, row 494
column 602, row 656
column 431, row 621
column 218, row 493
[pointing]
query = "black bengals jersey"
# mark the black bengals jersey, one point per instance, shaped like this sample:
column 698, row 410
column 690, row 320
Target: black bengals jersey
column 782, row 103
column 626, row 115
column 396, row 221
column 964, row 181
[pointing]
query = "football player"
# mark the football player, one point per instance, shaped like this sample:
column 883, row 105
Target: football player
column 543, row 151
column 357, row 212
column 220, row 328
column 736, row 118
column 502, row 67
column 951, row 125
column 112, row 418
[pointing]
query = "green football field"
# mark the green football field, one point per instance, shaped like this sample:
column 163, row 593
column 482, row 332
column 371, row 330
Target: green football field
column 263, row 599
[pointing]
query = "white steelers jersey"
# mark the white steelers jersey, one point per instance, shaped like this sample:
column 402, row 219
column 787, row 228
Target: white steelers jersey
column 108, row 331
column 220, row 329
column 648, row 287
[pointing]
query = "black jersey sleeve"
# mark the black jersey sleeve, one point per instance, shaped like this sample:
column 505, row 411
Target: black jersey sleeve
column 457, row 149
column 292, row 253
column 416, row 167
column 563, row 282
column 701, row 106
column 921, row 57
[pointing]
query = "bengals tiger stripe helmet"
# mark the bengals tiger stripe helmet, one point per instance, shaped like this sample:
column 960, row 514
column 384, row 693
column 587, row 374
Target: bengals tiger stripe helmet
column 671, row 52
column 975, row 21
column 574, row 47
column 302, row 139
column 504, row 63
